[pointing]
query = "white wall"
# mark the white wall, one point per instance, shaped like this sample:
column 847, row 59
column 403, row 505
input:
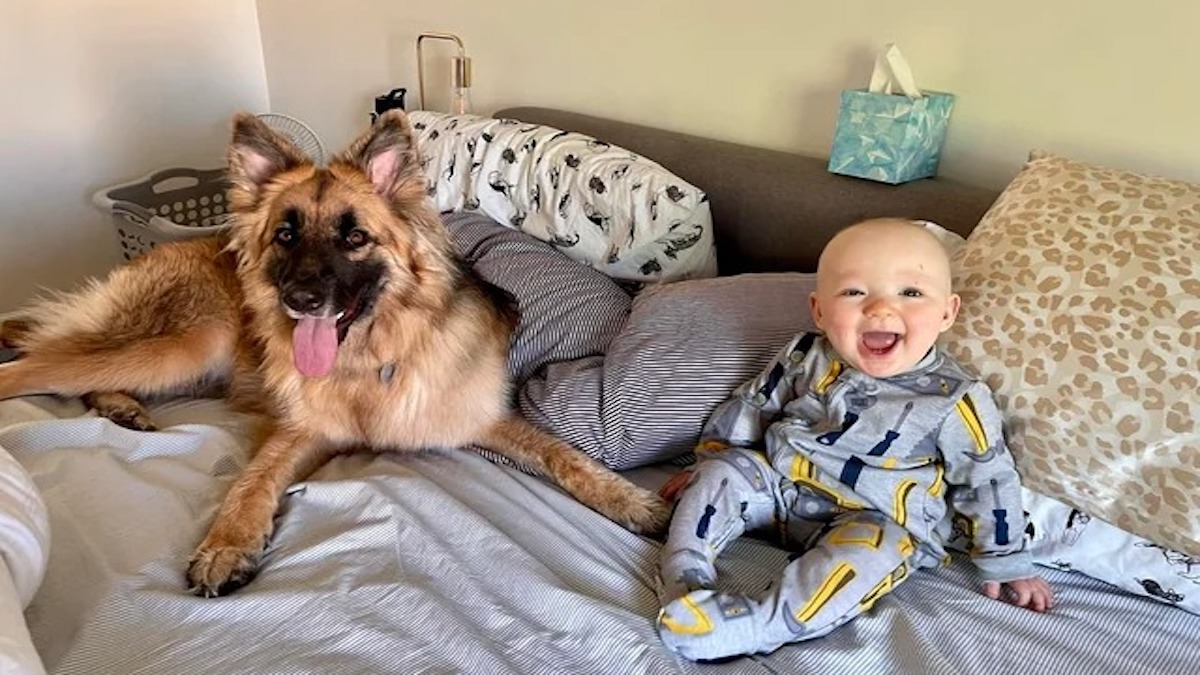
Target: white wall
column 97, row 92
column 1106, row 81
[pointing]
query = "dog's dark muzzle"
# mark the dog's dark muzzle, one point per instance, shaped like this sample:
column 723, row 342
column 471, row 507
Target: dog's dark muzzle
column 304, row 298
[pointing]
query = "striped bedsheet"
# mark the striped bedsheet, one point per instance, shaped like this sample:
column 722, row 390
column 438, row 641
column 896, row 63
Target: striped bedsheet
column 447, row 563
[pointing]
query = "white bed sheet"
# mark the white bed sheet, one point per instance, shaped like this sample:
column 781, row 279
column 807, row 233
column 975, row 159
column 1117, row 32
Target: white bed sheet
column 446, row 563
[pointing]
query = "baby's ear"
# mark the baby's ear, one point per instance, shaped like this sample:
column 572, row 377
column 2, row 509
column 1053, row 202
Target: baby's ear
column 814, row 307
column 953, row 302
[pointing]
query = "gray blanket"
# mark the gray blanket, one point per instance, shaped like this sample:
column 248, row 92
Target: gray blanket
column 446, row 563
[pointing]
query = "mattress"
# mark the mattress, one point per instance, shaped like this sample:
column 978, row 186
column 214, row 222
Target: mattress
column 444, row 562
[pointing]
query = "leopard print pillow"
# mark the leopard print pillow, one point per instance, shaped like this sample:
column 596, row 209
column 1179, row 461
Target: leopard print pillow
column 1081, row 308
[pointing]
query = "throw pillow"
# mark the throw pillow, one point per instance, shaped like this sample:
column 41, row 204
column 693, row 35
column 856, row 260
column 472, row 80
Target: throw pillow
column 1081, row 308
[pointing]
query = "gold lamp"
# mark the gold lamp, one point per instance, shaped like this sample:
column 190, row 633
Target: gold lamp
column 460, row 73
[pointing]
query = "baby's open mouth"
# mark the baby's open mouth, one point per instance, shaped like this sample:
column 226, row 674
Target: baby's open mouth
column 880, row 343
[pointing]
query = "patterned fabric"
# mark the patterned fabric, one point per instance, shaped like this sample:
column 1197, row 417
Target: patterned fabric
column 922, row 446
column 845, row 561
column 601, row 205
column 1069, row 539
column 1081, row 308
column 568, row 311
column 684, row 348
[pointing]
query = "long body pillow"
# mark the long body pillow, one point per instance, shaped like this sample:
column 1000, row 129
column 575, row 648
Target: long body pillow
column 24, row 528
column 601, row 205
column 1069, row 539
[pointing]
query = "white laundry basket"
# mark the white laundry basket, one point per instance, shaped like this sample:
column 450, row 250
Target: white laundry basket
column 167, row 205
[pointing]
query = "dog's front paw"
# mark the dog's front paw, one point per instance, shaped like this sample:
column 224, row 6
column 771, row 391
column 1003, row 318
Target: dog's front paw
column 220, row 570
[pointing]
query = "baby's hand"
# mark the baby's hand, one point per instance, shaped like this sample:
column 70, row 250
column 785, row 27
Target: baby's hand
column 1032, row 593
column 674, row 486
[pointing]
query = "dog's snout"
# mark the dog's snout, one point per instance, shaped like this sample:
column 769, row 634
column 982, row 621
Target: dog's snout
column 303, row 299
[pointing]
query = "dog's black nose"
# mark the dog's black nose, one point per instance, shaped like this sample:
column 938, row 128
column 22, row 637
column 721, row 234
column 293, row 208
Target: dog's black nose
column 301, row 299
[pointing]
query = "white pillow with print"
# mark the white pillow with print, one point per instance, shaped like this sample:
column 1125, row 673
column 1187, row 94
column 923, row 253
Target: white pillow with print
column 599, row 204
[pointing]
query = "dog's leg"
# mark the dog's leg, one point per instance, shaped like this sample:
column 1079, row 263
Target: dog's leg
column 121, row 408
column 585, row 479
column 228, row 557
column 118, row 407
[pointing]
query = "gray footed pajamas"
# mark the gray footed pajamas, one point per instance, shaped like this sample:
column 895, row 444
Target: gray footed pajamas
column 868, row 478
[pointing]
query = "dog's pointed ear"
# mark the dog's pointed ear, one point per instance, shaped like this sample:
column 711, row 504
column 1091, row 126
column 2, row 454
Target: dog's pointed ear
column 388, row 155
column 257, row 154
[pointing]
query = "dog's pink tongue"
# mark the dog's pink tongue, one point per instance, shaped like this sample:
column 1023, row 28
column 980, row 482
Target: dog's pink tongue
column 879, row 340
column 314, row 343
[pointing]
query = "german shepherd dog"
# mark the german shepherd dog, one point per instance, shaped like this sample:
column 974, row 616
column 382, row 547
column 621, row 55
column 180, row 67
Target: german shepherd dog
column 336, row 308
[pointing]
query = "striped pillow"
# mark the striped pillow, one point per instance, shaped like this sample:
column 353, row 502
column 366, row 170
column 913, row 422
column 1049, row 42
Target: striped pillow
column 568, row 310
column 684, row 349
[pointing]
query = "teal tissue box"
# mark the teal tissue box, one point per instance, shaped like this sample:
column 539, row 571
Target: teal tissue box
column 890, row 138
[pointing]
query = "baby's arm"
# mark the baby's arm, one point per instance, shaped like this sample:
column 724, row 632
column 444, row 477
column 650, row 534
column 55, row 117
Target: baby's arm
column 985, row 488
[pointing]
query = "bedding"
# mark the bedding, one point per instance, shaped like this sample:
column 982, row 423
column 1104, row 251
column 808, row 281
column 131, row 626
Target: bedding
column 1069, row 539
column 1081, row 307
column 24, row 552
column 683, row 349
column 600, row 204
column 569, row 311
column 446, row 562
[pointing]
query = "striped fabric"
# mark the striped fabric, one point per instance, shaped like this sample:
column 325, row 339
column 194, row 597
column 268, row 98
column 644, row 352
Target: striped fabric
column 568, row 311
column 684, row 349
column 446, row 563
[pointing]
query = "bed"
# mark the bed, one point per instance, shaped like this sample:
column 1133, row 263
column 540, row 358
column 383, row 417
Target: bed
column 448, row 562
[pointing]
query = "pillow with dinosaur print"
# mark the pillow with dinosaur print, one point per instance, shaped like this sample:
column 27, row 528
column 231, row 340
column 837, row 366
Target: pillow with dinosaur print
column 599, row 204
column 1081, row 307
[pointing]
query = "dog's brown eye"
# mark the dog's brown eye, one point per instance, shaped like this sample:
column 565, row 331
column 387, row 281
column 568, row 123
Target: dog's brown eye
column 357, row 238
column 285, row 234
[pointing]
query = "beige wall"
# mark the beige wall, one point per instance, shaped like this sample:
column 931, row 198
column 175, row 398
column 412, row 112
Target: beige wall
column 98, row 92
column 1103, row 80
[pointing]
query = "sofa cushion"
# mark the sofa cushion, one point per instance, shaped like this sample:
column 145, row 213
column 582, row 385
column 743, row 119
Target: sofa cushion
column 1081, row 308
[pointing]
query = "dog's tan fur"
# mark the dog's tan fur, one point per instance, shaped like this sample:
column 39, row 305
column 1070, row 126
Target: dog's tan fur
column 425, row 367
